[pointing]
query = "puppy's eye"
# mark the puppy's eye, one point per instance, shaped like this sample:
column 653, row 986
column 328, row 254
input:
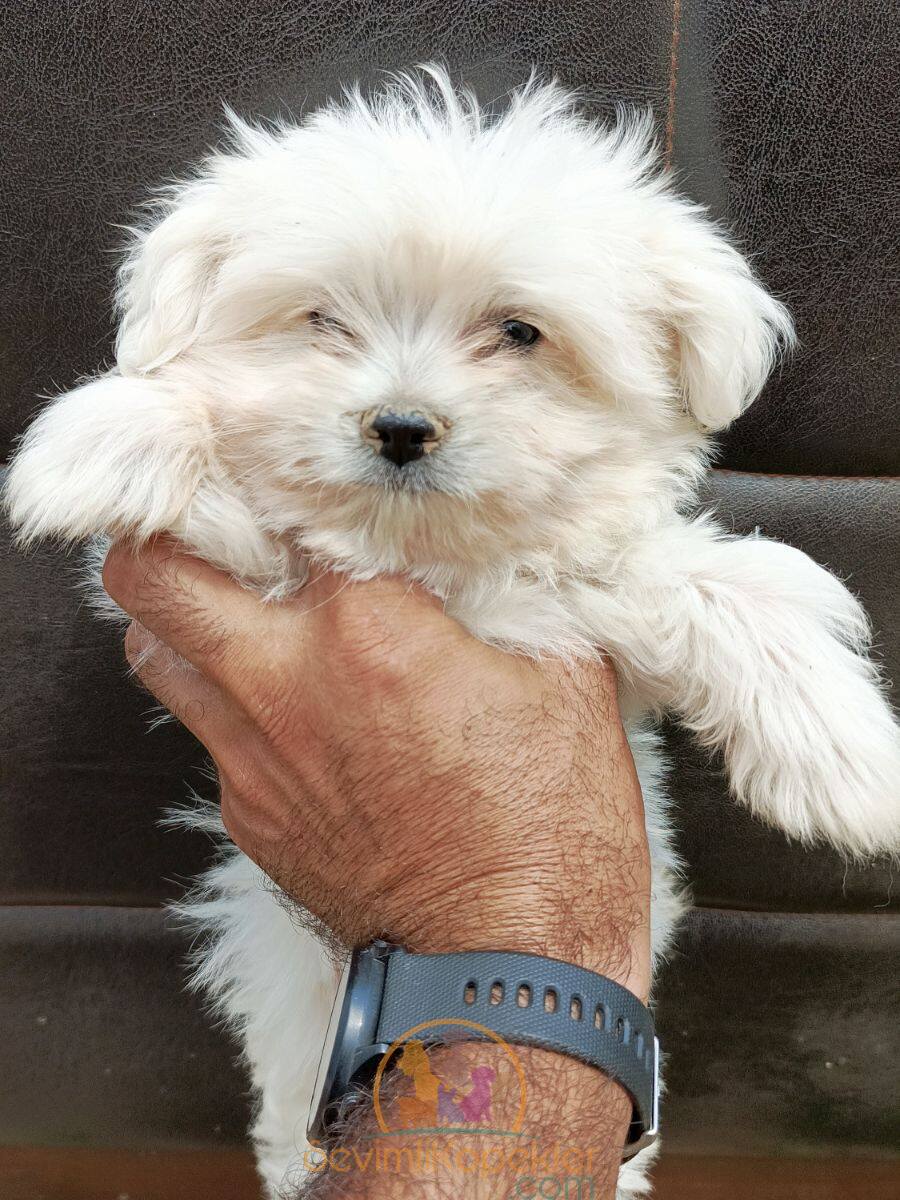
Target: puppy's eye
column 519, row 333
column 323, row 321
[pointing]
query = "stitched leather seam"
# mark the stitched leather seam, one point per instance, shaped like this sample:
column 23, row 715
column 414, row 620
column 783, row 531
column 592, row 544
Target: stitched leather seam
column 810, row 478
column 673, row 82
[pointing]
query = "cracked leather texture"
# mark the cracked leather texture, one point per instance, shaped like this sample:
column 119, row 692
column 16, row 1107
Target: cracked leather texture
column 780, row 1035
column 103, row 1045
column 786, row 124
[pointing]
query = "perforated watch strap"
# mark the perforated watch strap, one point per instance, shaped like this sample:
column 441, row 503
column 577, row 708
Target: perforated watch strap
column 533, row 1001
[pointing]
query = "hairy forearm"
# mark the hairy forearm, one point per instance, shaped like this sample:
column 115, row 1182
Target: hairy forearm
column 555, row 1122
column 401, row 779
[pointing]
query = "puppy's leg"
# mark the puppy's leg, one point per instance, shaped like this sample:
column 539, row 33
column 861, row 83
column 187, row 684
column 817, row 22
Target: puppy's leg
column 130, row 458
column 117, row 455
column 762, row 654
column 634, row 1179
column 274, row 985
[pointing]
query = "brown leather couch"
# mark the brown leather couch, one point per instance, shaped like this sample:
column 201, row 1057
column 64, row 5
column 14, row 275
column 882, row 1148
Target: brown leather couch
column 779, row 1012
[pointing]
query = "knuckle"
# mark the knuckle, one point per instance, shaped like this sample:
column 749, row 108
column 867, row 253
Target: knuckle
column 161, row 671
column 159, row 589
column 266, row 681
column 203, row 633
column 119, row 573
column 369, row 642
column 226, row 810
column 253, row 810
column 230, row 810
column 379, row 633
column 135, row 644
column 207, row 636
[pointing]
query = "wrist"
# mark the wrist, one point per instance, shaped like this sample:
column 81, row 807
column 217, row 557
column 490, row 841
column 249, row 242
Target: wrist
column 613, row 941
column 574, row 1124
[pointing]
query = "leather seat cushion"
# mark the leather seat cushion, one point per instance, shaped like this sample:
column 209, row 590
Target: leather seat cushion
column 769, row 1023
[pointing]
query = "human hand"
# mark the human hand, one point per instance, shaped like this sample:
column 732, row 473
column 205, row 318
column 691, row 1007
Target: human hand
column 393, row 774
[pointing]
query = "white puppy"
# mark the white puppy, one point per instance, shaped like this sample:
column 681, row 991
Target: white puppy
column 487, row 351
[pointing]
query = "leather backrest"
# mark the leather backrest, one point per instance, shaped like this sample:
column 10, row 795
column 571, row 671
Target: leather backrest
column 786, row 125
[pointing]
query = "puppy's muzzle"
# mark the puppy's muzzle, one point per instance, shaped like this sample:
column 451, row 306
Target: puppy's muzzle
column 402, row 436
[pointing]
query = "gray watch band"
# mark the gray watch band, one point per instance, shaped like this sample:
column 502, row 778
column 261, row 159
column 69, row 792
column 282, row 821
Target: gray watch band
column 534, row 1001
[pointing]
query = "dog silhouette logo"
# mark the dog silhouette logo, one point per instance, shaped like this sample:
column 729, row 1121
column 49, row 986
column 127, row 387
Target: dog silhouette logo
column 490, row 1099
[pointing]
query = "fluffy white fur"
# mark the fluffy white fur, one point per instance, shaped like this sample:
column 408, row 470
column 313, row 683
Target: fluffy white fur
column 551, row 516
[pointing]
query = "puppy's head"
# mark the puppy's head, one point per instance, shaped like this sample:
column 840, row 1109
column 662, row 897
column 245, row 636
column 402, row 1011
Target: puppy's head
column 419, row 332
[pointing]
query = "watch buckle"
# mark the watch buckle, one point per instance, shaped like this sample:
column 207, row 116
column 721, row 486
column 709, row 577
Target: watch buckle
column 649, row 1135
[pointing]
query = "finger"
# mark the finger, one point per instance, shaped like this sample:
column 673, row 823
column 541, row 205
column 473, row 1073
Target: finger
column 382, row 592
column 203, row 614
column 221, row 627
column 192, row 699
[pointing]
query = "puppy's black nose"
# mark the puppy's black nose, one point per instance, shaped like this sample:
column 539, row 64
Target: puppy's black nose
column 401, row 437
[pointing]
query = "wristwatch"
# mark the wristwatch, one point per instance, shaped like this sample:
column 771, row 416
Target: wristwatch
column 388, row 997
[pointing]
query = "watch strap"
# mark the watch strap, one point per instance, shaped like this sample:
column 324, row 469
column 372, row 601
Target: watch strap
column 530, row 1000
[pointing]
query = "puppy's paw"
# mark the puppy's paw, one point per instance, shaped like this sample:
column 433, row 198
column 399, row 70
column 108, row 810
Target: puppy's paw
column 116, row 456
column 826, row 767
column 819, row 751
column 772, row 667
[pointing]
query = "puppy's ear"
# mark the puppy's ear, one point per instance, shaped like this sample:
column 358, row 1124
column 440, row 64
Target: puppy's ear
column 116, row 456
column 163, row 281
column 727, row 328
